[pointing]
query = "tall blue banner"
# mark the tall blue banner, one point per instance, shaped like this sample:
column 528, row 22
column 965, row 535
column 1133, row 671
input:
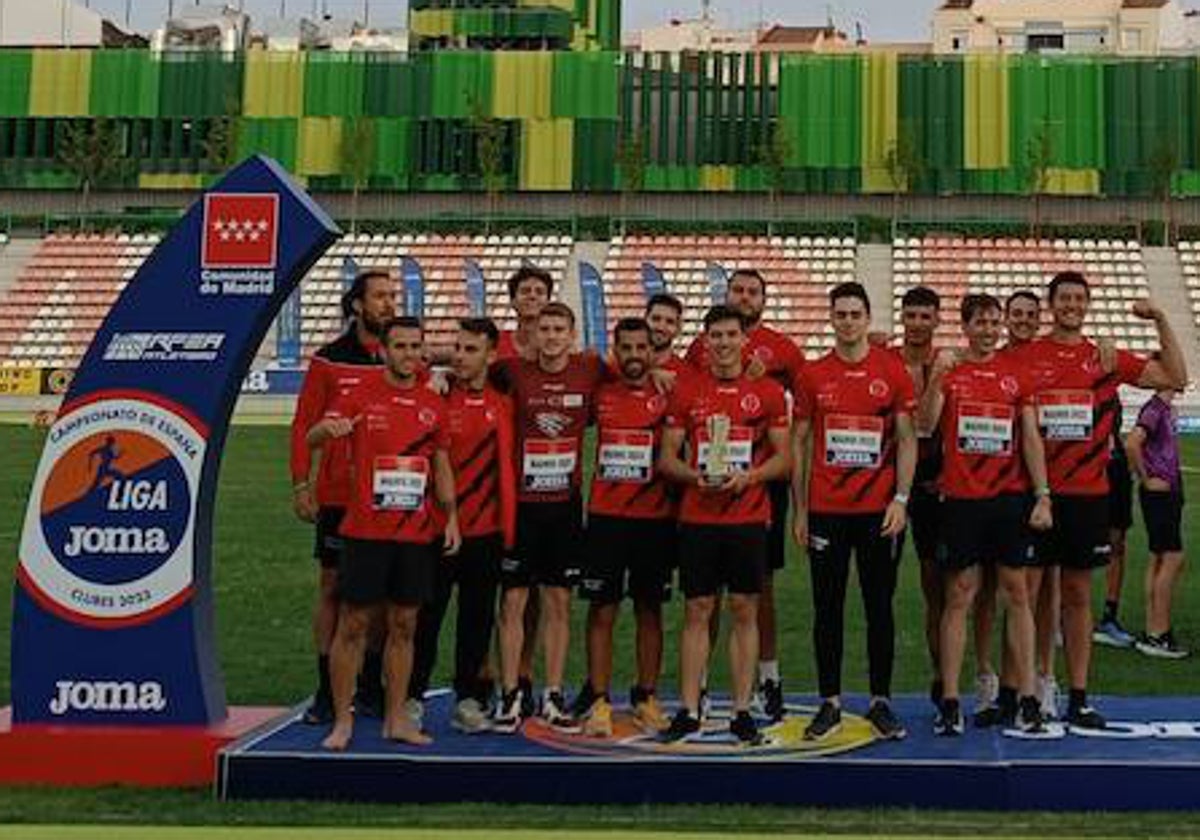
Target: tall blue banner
column 476, row 290
column 113, row 612
column 413, row 283
column 595, row 316
column 349, row 272
column 653, row 282
column 718, row 283
column 287, row 331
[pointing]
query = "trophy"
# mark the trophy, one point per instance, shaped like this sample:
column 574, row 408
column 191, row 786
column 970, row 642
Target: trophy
column 716, row 468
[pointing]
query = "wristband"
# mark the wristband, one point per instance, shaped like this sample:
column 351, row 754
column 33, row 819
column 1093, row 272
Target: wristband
column 901, row 498
column 301, row 485
column 1042, row 492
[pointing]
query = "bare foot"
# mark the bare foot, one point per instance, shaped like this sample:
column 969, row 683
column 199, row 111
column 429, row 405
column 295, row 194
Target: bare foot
column 405, row 732
column 338, row 738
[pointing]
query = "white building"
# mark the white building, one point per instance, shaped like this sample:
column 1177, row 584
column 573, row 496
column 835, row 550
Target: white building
column 49, row 23
column 702, row 35
column 1120, row 27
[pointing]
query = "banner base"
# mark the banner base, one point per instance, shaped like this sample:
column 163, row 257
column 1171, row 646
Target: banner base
column 84, row 756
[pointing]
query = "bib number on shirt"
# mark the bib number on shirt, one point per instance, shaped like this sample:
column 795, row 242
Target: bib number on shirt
column 985, row 429
column 1065, row 415
column 626, row 455
column 853, row 441
column 739, row 450
column 399, row 483
column 548, row 465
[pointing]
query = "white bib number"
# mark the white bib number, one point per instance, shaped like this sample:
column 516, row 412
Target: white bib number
column 626, row 455
column 1065, row 415
column 985, row 429
column 399, row 483
column 853, row 441
column 739, row 449
column 548, row 465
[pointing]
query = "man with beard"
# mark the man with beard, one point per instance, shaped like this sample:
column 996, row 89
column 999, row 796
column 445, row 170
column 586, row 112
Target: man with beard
column 781, row 360
column 335, row 370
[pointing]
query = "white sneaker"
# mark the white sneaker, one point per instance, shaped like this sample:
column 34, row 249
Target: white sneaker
column 470, row 717
column 1047, row 694
column 987, row 690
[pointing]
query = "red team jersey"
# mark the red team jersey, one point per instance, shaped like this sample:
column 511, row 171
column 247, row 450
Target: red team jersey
column 1077, row 405
column 336, row 370
column 397, row 432
column 551, row 413
column 778, row 353
column 852, row 408
column 981, row 429
column 629, row 431
column 481, row 453
column 753, row 407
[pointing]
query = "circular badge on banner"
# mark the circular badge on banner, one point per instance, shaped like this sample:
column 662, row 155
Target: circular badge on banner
column 108, row 531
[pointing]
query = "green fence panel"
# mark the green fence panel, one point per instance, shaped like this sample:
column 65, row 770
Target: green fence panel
column 390, row 85
column 334, row 85
column 125, row 83
column 15, row 69
column 276, row 138
column 199, row 85
column 462, row 85
column 393, row 148
column 586, row 85
column 820, row 110
column 1150, row 108
column 1064, row 98
column 672, row 178
column 994, row 181
column 595, row 146
column 931, row 116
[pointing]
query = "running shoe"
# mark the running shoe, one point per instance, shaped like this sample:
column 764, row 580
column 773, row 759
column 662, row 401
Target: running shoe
column 682, row 726
column 884, row 721
column 949, row 720
column 1111, row 634
column 599, row 722
column 745, row 729
column 827, row 722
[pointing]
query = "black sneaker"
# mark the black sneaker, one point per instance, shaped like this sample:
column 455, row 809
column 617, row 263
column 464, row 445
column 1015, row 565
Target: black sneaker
column 1031, row 721
column 745, row 729
column 507, row 718
column 583, row 701
column 827, row 722
column 525, row 686
column 884, row 721
column 949, row 720
column 320, row 710
column 986, row 717
column 772, row 699
column 1085, row 717
column 682, row 725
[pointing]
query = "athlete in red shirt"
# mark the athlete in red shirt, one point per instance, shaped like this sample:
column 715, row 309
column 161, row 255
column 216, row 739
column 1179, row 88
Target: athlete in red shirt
column 552, row 405
column 983, row 404
column 400, row 458
column 777, row 356
column 529, row 289
column 1076, row 402
column 630, row 530
column 854, row 412
column 664, row 315
column 737, row 435
column 479, row 421
column 335, row 369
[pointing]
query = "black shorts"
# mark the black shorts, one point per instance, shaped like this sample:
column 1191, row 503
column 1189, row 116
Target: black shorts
column 985, row 531
column 780, row 493
column 925, row 521
column 1079, row 538
column 716, row 557
column 634, row 556
column 1120, row 495
column 549, row 549
column 1162, row 511
column 328, row 548
column 378, row 571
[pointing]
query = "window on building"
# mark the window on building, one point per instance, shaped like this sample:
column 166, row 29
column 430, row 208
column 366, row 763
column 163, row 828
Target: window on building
column 1038, row 42
column 1131, row 40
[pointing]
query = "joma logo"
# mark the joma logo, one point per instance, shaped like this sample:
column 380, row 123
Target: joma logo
column 107, row 696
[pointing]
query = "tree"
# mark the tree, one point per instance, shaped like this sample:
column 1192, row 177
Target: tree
column 491, row 135
column 631, row 169
column 905, row 168
column 1164, row 163
column 1039, row 151
column 773, row 154
column 93, row 150
column 357, row 158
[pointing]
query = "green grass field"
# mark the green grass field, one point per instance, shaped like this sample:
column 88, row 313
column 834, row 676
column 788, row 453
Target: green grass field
column 264, row 584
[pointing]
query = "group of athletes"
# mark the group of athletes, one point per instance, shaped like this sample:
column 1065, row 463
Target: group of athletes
column 425, row 481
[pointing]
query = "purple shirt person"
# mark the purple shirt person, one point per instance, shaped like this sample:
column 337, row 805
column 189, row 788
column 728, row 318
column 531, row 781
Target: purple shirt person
column 1160, row 452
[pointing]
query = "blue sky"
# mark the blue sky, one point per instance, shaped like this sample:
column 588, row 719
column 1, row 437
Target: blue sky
column 883, row 20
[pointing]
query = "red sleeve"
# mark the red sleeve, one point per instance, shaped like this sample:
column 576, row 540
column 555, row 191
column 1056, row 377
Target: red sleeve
column 775, row 402
column 697, row 353
column 676, row 416
column 802, row 397
column 441, row 429
column 310, row 408
column 505, row 437
column 1130, row 366
column 793, row 358
column 906, row 394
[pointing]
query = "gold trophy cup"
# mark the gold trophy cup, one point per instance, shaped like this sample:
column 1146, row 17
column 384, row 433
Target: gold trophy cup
column 716, row 468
